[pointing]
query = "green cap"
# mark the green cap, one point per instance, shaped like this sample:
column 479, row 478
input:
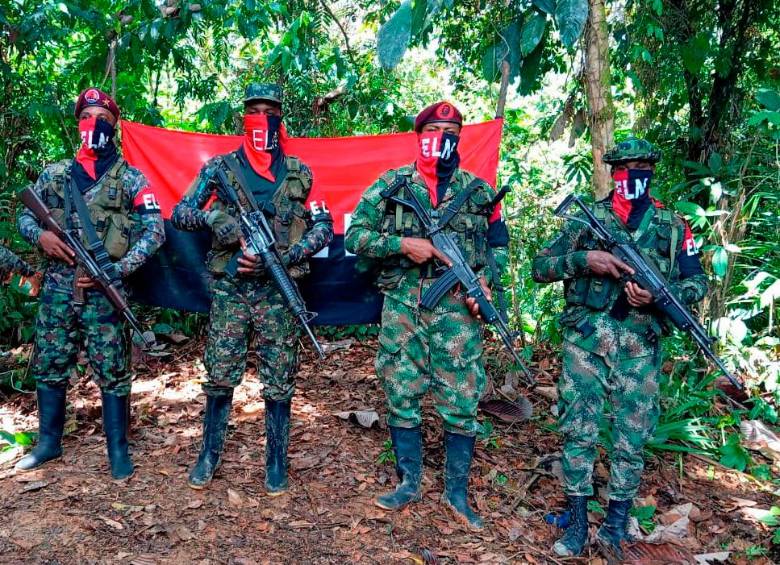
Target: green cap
column 632, row 149
column 263, row 91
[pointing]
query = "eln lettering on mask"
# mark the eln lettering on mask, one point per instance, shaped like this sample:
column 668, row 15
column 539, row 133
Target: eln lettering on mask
column 429, row 146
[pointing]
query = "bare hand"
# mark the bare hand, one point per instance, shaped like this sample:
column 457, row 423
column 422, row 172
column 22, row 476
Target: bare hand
column 471, row 303
column 85, row 282
column 54, row 247
column 249, row 264
column 638, row 296
column 421, row 250
column 604, row 263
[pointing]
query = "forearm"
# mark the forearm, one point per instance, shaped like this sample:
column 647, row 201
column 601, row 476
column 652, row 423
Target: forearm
column 692, row 289
column 188, row 216
column 369, row 243
column 11, row 263
column 550, row 268
column 28, row 227
column 152, row 238
column 315, row 239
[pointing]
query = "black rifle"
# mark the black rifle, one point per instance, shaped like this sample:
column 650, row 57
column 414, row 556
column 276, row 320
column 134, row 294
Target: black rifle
column 458, row 273
column 647, row 275
column 85, row 263
column 261, row 242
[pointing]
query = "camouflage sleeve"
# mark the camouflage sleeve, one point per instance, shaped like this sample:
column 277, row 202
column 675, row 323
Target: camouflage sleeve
column 188, row 214
column 319, row 228
column 562, row 257
column 364, row 236
column 691, row 285
column 27, row 223
column 10, row 263
column 152, row 234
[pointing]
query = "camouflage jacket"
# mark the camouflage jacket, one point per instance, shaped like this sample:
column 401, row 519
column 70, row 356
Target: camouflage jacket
column 136, row 225
column 377, row 226
column 300, row 231
column 10, row 263
column 589, row 298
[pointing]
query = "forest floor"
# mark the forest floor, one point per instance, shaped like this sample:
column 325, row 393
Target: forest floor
column 70, row 511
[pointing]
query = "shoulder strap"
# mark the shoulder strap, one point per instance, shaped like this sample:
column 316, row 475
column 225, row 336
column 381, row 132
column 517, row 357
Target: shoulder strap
column 293, row 164
column 73, row 194
column 231, row 162
column 457, row 203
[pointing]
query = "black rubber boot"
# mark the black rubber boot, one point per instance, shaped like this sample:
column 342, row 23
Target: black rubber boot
column 115, row 426
column 215, row 422
column 51, row 421
column 613, row 531
column 277, row 436
column 575, row 537
column 407, row 446
column 459, row 453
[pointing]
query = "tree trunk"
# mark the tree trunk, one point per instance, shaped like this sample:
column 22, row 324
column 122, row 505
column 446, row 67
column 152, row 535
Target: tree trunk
column 598, row 82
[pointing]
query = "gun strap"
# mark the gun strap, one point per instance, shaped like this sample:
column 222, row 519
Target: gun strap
column 457, row 203
column 74, row 199
column 231, row 162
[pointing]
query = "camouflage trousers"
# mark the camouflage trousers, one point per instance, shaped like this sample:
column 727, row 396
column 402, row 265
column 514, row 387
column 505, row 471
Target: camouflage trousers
column 243, row 310
column 630, row 387
column 438, row 351
column 61, row 328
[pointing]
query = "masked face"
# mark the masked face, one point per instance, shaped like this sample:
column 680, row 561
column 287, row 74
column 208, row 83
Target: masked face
column 631, row 196
column 96, row 134
column 437, row 160
column 262, row 132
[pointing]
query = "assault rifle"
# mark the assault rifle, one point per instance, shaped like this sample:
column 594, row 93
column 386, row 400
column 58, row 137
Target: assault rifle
column 260, row 241
column 458, row 273
column 647, row 275
column 85, row 262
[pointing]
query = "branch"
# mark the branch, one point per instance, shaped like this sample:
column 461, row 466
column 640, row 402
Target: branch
column 350, row 54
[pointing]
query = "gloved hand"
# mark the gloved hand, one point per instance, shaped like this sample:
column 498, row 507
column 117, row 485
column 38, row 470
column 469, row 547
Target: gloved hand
column 224, row 226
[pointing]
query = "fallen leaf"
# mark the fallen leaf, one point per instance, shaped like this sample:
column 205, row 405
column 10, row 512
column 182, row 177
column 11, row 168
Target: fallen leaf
column 35, row 485
column 234, row 499
column 113, row 523
column 195, row 504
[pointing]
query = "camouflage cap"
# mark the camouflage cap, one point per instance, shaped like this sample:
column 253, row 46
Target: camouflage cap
column 263, row 91
column 632, row 149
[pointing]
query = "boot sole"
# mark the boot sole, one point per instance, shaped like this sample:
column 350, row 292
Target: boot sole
column 123, row 479
column 275, row 493
column 394, row 508
column 196, row 487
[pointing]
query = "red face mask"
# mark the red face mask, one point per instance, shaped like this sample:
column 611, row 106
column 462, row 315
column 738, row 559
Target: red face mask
column 263, row 138
column 437, row 159
column 97, row 138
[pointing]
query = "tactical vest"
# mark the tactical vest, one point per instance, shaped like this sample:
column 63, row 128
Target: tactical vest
column 289, row 223
column 659, row 244
column 469, row 227
column 109, row 210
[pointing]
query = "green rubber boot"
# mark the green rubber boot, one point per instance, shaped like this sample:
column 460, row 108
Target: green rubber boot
column 215, row 423
column 277, row 437
column 613, row 531
column 459, row 453
column 115, row 425
column 574, row 539
column 51, row 422
column 407, row 446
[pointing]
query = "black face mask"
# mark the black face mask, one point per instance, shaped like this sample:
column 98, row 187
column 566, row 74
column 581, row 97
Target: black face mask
column 97, row 152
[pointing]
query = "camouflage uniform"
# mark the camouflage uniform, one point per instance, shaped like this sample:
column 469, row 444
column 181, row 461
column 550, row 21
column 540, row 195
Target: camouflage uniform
column 128, row 220
column 419, row 350
column 606, row 358
column 10, row 263
column 243, row 307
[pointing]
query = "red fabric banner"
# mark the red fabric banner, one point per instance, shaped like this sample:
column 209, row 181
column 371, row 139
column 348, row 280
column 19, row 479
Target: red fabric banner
column 343, row 167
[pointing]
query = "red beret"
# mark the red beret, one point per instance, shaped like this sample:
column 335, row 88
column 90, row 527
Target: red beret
column 96, row 97
column 439, row 112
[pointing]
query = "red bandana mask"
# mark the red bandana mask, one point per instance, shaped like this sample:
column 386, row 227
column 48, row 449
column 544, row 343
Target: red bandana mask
column 264, row 136
column 631, row 196
column 97, row 138
column 437, row 159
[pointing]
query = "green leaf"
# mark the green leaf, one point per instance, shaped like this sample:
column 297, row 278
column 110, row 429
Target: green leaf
column 694, row 53
column 532, row 33
column 393, row 37
column 419, row 12
column 768, row 98
column 690, row 209
column 571, row 15
column 546, row 6
column 720, row 261
column 715, row 162
column 733, row 455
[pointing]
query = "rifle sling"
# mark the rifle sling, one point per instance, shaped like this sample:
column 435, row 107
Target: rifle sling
column 231, row 162
column 74, row 199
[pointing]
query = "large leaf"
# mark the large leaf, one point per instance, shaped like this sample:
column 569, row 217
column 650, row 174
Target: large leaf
column 694, row 53
column 547, row 6
column 532, row 33
column 393, row 38
column 571, row 15
column 769, row 99
column 531, row 71
column 720, row 261
column 419, row 13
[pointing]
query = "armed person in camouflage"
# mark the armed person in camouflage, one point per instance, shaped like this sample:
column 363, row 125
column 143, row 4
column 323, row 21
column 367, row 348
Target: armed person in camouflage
column 124, row 221
column 246, row 303
column 611, row 352
column 441, row 350
column 10, row 263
